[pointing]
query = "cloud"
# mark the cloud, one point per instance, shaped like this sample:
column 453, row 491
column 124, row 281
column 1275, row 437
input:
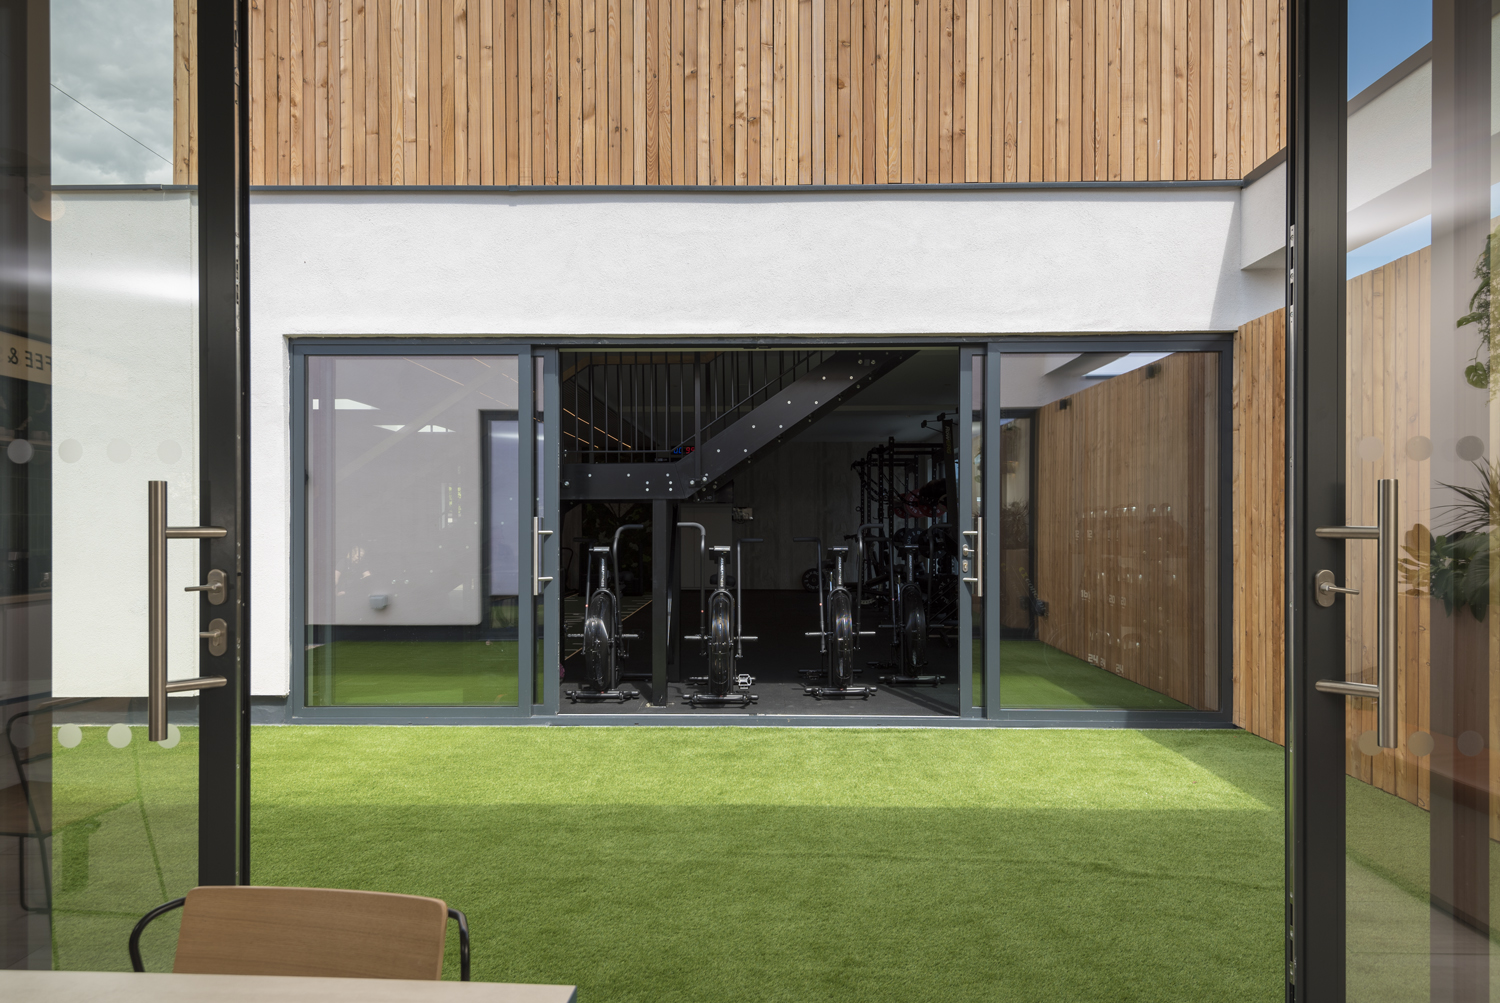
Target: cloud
column 115, row 57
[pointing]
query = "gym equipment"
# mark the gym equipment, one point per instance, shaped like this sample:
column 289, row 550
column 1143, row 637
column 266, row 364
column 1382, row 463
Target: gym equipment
column 721, row 634
column 908, row 624
column 603, row 638
column 838, row 630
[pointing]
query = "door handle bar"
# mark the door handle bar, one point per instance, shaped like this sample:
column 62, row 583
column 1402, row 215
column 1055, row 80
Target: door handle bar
column 157, row 684
column 1383, row 691
column 976, row 552
column 537, row 578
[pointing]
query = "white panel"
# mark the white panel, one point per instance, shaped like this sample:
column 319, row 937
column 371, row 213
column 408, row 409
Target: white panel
column 1263, row 222
column 1390, row 139
column 124, row 336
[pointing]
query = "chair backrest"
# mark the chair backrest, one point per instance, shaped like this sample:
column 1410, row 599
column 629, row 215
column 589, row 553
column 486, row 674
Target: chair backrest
column 252, row 930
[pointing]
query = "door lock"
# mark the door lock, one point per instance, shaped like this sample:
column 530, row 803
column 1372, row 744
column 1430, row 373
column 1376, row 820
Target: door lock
column 217, row 635
column 214, row 589
column 1327, row 591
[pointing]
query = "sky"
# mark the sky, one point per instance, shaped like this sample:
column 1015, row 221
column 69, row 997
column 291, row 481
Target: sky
column 115, row 57
column 1381, row 34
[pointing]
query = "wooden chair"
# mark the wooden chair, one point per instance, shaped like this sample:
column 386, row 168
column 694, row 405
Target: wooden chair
column 248, row 930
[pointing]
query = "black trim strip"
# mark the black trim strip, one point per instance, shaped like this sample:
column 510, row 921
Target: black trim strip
column 968, row 186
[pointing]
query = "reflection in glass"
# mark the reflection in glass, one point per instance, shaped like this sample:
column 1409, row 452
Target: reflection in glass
column 400, row 609
column 1423, row 388
column 1109, row 530
column 99, row 311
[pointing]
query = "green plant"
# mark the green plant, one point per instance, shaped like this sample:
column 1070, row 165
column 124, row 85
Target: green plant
column 1477, row 373
column 1015, row 525
column 1454, row 568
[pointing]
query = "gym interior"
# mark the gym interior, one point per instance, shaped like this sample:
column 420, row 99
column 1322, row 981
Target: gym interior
column 771, row 532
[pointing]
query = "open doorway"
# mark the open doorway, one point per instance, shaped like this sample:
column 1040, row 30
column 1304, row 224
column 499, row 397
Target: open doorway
column 839, row 493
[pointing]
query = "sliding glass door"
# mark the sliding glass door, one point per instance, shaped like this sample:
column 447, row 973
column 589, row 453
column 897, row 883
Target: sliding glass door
column 1102, row 476
column 1392, row 713
column 420, row 495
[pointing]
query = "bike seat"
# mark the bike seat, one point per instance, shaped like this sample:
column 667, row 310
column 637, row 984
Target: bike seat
column 720, row 549
column 836, row 550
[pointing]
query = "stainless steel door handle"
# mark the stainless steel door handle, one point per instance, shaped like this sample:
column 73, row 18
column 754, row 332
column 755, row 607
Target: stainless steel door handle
column 537, row 578
column 214, row 589
column 158, row 686
column 1387, row 512
column 976, row 552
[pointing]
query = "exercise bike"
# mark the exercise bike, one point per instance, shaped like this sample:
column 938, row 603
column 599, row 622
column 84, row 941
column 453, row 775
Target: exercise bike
column 603, row 638
column 908, row 626
column 838, row 630
column 721, row 634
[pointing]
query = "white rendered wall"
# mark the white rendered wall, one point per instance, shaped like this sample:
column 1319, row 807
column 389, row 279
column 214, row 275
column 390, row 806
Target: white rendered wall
column 124, row 398
column 677, row 265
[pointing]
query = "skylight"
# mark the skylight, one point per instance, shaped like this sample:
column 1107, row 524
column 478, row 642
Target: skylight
column 1125, row 364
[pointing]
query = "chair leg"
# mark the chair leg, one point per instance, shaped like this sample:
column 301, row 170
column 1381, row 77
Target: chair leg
column 41, row 845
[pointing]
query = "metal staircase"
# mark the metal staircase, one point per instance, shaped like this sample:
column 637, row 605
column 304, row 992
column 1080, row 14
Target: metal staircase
column 642, row 426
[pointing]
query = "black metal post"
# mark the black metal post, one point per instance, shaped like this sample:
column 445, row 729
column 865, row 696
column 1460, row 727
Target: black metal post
column 663, row 528
column 1315, row 497
column 223, row 305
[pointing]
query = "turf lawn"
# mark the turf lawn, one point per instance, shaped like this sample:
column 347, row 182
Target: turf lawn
column 1035, row 674
column 413, row 673
column 733, row 864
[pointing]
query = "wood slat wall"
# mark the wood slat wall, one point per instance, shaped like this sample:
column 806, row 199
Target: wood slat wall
column 1389, row 323
column 760, row 92
column 1127, row 523
column 1259, row 525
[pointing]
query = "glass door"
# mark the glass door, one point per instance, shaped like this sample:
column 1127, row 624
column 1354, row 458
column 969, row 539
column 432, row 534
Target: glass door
column 421, row 515
column 123, row 597
column 1394, row 718
column 971, row 512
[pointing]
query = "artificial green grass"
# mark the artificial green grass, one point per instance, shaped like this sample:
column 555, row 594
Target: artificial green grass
column 757, row 864
column 1035, row 674
column 735, row 864
column 419, row 673
column 125, row 825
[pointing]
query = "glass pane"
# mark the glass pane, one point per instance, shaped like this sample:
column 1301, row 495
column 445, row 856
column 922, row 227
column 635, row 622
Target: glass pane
column 1109, row 528
column 1421, row 864
column 401, row 608
column 98, row 395
column 976, row 507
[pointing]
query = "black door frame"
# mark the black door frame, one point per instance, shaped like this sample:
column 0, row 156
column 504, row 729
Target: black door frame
column 223, row 124
column 1316, row 404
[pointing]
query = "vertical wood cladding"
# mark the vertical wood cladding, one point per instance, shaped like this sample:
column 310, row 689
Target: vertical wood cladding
column 1390, row 381
column 1259, row 522
column 1127, row 526
column 759, row 92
